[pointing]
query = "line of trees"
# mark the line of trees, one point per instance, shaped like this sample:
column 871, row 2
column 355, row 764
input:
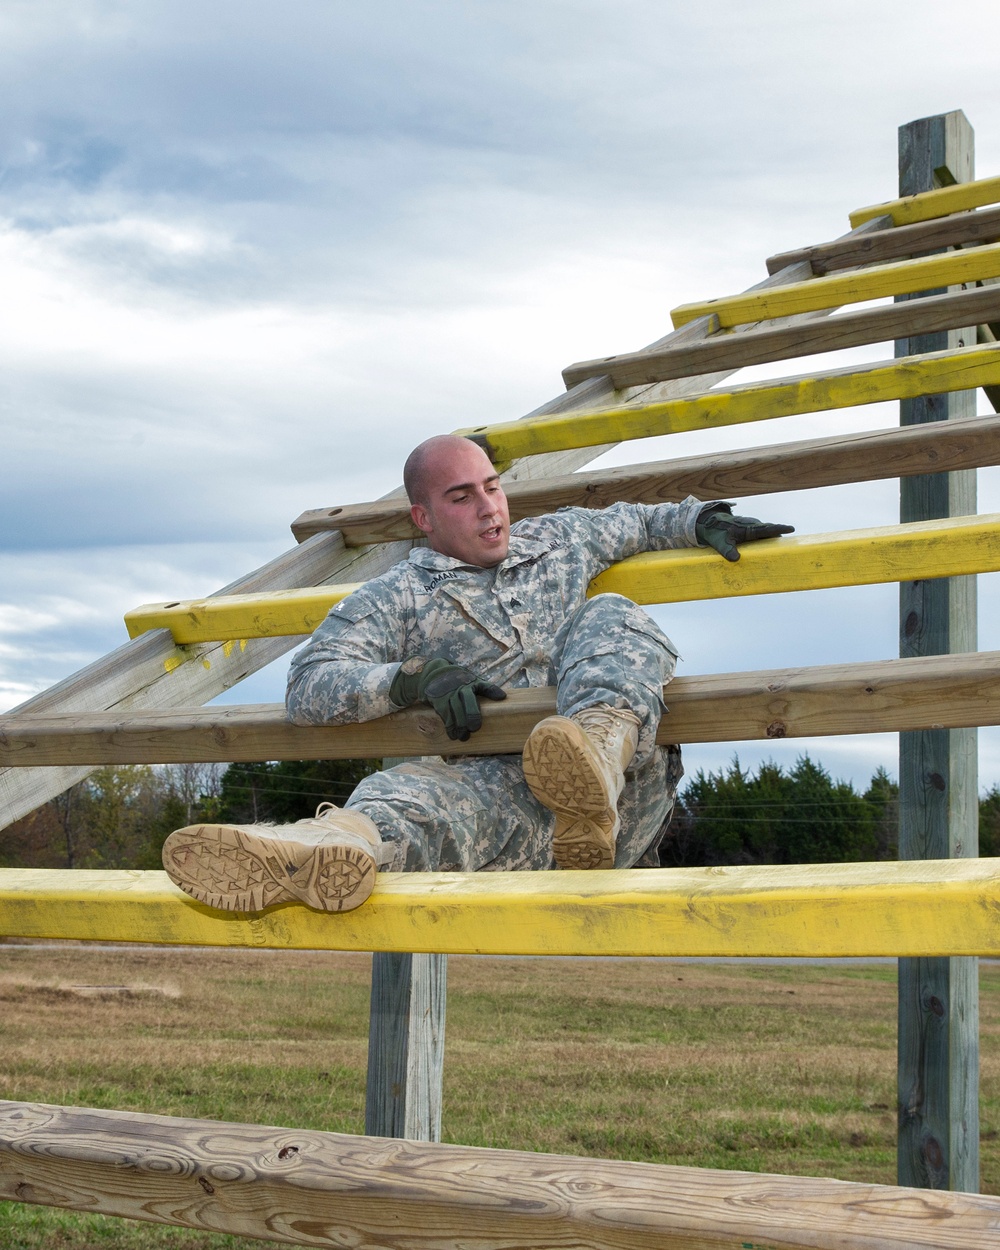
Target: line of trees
column 119, row 816
column 798, row 816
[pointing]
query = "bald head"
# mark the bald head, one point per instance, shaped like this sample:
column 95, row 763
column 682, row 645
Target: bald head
column 427, row 461
column 457, row 500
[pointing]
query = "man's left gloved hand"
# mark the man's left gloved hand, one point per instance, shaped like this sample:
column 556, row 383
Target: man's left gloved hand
column 450, row 690
column 718, row 528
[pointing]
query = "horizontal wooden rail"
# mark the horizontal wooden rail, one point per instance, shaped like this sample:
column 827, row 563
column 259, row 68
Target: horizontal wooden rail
column 305, row 1187
column 936, row 447
column 941, row 691
column 951, row 311
column 892, row 553
column 892, row 244
column 929, row 204
column 908, row 908
column 900, row 277
column 905, row 378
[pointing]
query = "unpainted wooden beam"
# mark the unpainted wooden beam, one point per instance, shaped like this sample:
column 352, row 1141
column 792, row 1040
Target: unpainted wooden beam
column 866, row 456
column 893, row 243
column 758, row 346
column 303, row 1187
column 950, row 691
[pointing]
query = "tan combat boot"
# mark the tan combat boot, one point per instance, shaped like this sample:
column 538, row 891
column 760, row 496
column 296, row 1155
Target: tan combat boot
column 575, row 765
column 327, row 861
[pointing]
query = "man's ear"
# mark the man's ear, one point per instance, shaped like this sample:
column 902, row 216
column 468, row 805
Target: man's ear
column 421, row 518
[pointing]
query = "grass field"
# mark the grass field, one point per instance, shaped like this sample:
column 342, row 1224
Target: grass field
column 757, row 1067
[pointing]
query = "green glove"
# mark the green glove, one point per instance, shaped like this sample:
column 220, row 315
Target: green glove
column 718, row 528
column 450, row 690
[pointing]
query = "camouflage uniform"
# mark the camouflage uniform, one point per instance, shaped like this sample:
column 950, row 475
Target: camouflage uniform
column 525, row 622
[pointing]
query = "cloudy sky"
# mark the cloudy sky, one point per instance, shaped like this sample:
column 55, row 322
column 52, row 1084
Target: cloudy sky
column 251, row 253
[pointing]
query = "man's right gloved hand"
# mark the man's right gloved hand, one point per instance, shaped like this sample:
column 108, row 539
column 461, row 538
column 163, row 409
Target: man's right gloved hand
column 450, row 690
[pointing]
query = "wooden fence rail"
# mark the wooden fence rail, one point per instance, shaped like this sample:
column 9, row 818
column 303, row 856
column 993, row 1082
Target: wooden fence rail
column 946, row 691
column 331, row 1190
column 918, row 908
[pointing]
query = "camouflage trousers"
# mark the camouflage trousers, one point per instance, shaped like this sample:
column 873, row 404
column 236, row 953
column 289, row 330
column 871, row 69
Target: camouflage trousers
column 476, row 813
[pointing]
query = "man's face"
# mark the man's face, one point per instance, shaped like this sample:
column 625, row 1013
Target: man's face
column 465, row 515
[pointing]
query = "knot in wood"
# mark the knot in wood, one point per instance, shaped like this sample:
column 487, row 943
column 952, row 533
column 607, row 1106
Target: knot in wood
column 777, row 729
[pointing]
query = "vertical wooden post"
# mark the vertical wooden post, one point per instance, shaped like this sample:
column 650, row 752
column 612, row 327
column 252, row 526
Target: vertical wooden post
column 409, row 999
column 406, row 1046
column 938, row 1042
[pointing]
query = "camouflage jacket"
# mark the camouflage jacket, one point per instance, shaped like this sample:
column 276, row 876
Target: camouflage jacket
column 499, row 622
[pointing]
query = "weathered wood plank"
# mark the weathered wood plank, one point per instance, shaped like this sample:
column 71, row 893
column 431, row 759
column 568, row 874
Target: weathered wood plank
column 917, row 907
column 938, row 1033
column 876, row 282
column 893, row 243
column 861, row 457
column 870, row 698
column 927, row 374
column 939, row 202
column 888, row 553
column 310, row 1188
column 757, row 346
column 406, row 1046
column 873, row 697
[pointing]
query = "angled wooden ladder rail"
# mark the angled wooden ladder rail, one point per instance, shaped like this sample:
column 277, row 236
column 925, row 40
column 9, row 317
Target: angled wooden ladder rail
column 334, row 1190
column 892, row 553
column 946, row 691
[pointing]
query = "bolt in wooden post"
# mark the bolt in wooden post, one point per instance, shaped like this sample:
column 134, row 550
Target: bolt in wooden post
column 938, row 1046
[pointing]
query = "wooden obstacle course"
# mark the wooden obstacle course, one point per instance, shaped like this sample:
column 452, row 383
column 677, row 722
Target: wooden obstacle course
column 947, row 908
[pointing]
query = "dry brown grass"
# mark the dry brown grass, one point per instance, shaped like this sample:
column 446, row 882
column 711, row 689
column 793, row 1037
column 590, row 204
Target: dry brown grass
column 760, row 1067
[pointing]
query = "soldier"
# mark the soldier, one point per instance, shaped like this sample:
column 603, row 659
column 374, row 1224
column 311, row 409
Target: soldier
column 481, row 609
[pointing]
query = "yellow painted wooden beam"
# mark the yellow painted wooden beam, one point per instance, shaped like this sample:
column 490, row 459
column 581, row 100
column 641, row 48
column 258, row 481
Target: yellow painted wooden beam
column 900, row 277
column 930, row 204
column 925, row 907
column 921, row 549
column 239, row 617
column 905, row 378
column 892, row 553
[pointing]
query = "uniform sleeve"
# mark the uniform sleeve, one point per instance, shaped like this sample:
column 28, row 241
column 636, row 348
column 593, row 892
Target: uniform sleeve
column 343, row 673
column 626, row 529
